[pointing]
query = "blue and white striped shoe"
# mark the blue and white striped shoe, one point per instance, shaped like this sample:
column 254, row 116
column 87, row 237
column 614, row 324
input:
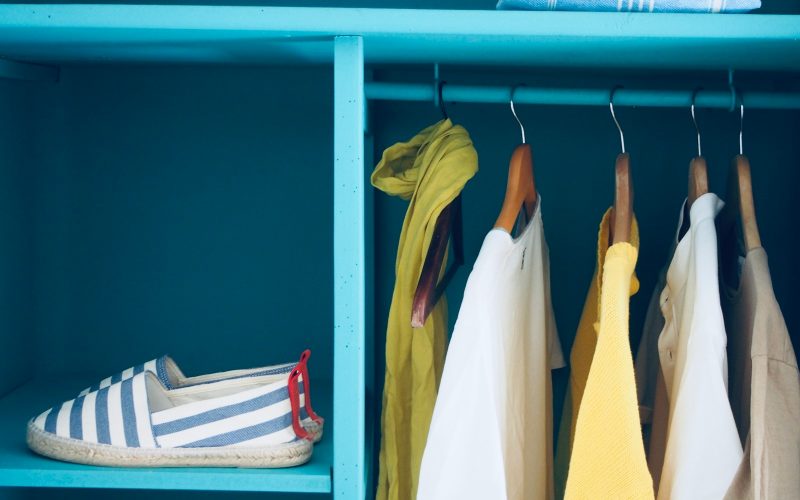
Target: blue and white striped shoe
column 172, row 377
column 137, row 422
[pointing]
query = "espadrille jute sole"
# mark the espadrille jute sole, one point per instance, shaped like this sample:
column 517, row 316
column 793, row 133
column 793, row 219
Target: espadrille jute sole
column 77, row 451
column 314, row 430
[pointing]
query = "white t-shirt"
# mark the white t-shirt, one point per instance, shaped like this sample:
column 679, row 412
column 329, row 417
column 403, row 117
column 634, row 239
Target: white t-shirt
column 491, row 432
column 703, row 447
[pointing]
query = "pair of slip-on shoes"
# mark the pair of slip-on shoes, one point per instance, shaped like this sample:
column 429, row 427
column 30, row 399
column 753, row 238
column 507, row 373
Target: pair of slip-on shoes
column 152, row 415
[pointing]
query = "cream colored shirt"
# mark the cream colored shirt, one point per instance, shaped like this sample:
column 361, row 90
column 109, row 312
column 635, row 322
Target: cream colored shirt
column 703, row 449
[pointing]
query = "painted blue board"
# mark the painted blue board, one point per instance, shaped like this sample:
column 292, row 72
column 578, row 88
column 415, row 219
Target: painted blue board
column 349, row 270
column 21, row 467
column 224, row 34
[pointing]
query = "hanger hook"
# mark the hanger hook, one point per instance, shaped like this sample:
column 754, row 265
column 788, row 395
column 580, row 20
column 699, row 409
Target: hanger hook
column 441, row 100
column 741, row 124
column 694, row 120
column 733, row 106
column 614, row 116
column 514, row 112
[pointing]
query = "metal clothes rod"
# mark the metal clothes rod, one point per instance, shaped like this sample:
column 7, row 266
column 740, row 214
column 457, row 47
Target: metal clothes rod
column 580, row 97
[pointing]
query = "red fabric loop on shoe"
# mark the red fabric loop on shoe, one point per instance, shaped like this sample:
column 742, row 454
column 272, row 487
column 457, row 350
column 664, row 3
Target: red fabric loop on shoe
column 302, row 365
column 294, row 400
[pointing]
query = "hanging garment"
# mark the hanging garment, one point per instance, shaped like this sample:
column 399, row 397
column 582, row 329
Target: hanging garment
column 580, row 361
column 650, row 386
column 702, row 6
column 703, row 448
column 608, row 459
column 764, row 384
column 430, row 170
column 491, row 433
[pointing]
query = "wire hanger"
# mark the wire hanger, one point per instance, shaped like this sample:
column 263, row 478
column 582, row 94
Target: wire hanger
column 698, row 170
column 514, row 112
column 521, row 188
column 740, row 190
column 449, row 225
column 614, row 116
column 622, row 213
column 741, row 127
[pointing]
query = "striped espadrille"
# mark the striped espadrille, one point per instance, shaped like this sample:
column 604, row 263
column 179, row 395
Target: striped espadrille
column 137, row 422
column 172, row 377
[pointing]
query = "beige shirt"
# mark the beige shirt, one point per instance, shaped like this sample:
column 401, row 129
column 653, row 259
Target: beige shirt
column 764, row 380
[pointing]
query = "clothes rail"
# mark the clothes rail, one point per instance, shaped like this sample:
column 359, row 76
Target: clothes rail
column 580, row 97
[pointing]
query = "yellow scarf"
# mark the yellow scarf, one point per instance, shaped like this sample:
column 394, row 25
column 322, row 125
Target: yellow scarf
column 430, row 170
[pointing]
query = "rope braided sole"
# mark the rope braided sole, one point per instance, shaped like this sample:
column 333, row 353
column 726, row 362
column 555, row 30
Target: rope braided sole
column 74, row 450
column 314, row 430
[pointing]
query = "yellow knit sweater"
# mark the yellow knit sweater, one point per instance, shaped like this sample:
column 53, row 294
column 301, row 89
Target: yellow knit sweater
column 601, row 419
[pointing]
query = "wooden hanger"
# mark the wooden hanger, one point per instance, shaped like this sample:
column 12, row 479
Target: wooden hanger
column 743, row 191
column 428, row 292
column 521, row 187
column 698, row 179
column 698, row 171
column 740, row 195
column 622, row 212
column 449, row 224
column 520, row 190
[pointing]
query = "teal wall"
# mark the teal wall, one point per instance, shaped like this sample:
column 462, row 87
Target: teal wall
column 183, row 211
column 15, row 219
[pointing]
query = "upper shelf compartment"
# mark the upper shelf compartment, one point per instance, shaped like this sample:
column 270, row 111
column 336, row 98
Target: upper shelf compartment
column 258, row 35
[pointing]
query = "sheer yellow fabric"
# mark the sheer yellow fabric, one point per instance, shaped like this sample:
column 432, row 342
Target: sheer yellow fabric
column 430, row 170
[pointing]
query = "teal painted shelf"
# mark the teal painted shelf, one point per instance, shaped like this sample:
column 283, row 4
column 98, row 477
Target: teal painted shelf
column 21, row 467
column 266, row 35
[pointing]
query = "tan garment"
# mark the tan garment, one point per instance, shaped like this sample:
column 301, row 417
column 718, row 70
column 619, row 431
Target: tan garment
column 650, row 388
column 764, row 381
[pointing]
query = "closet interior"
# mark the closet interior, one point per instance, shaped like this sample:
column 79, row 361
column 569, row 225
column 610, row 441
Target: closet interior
column 194, row 180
